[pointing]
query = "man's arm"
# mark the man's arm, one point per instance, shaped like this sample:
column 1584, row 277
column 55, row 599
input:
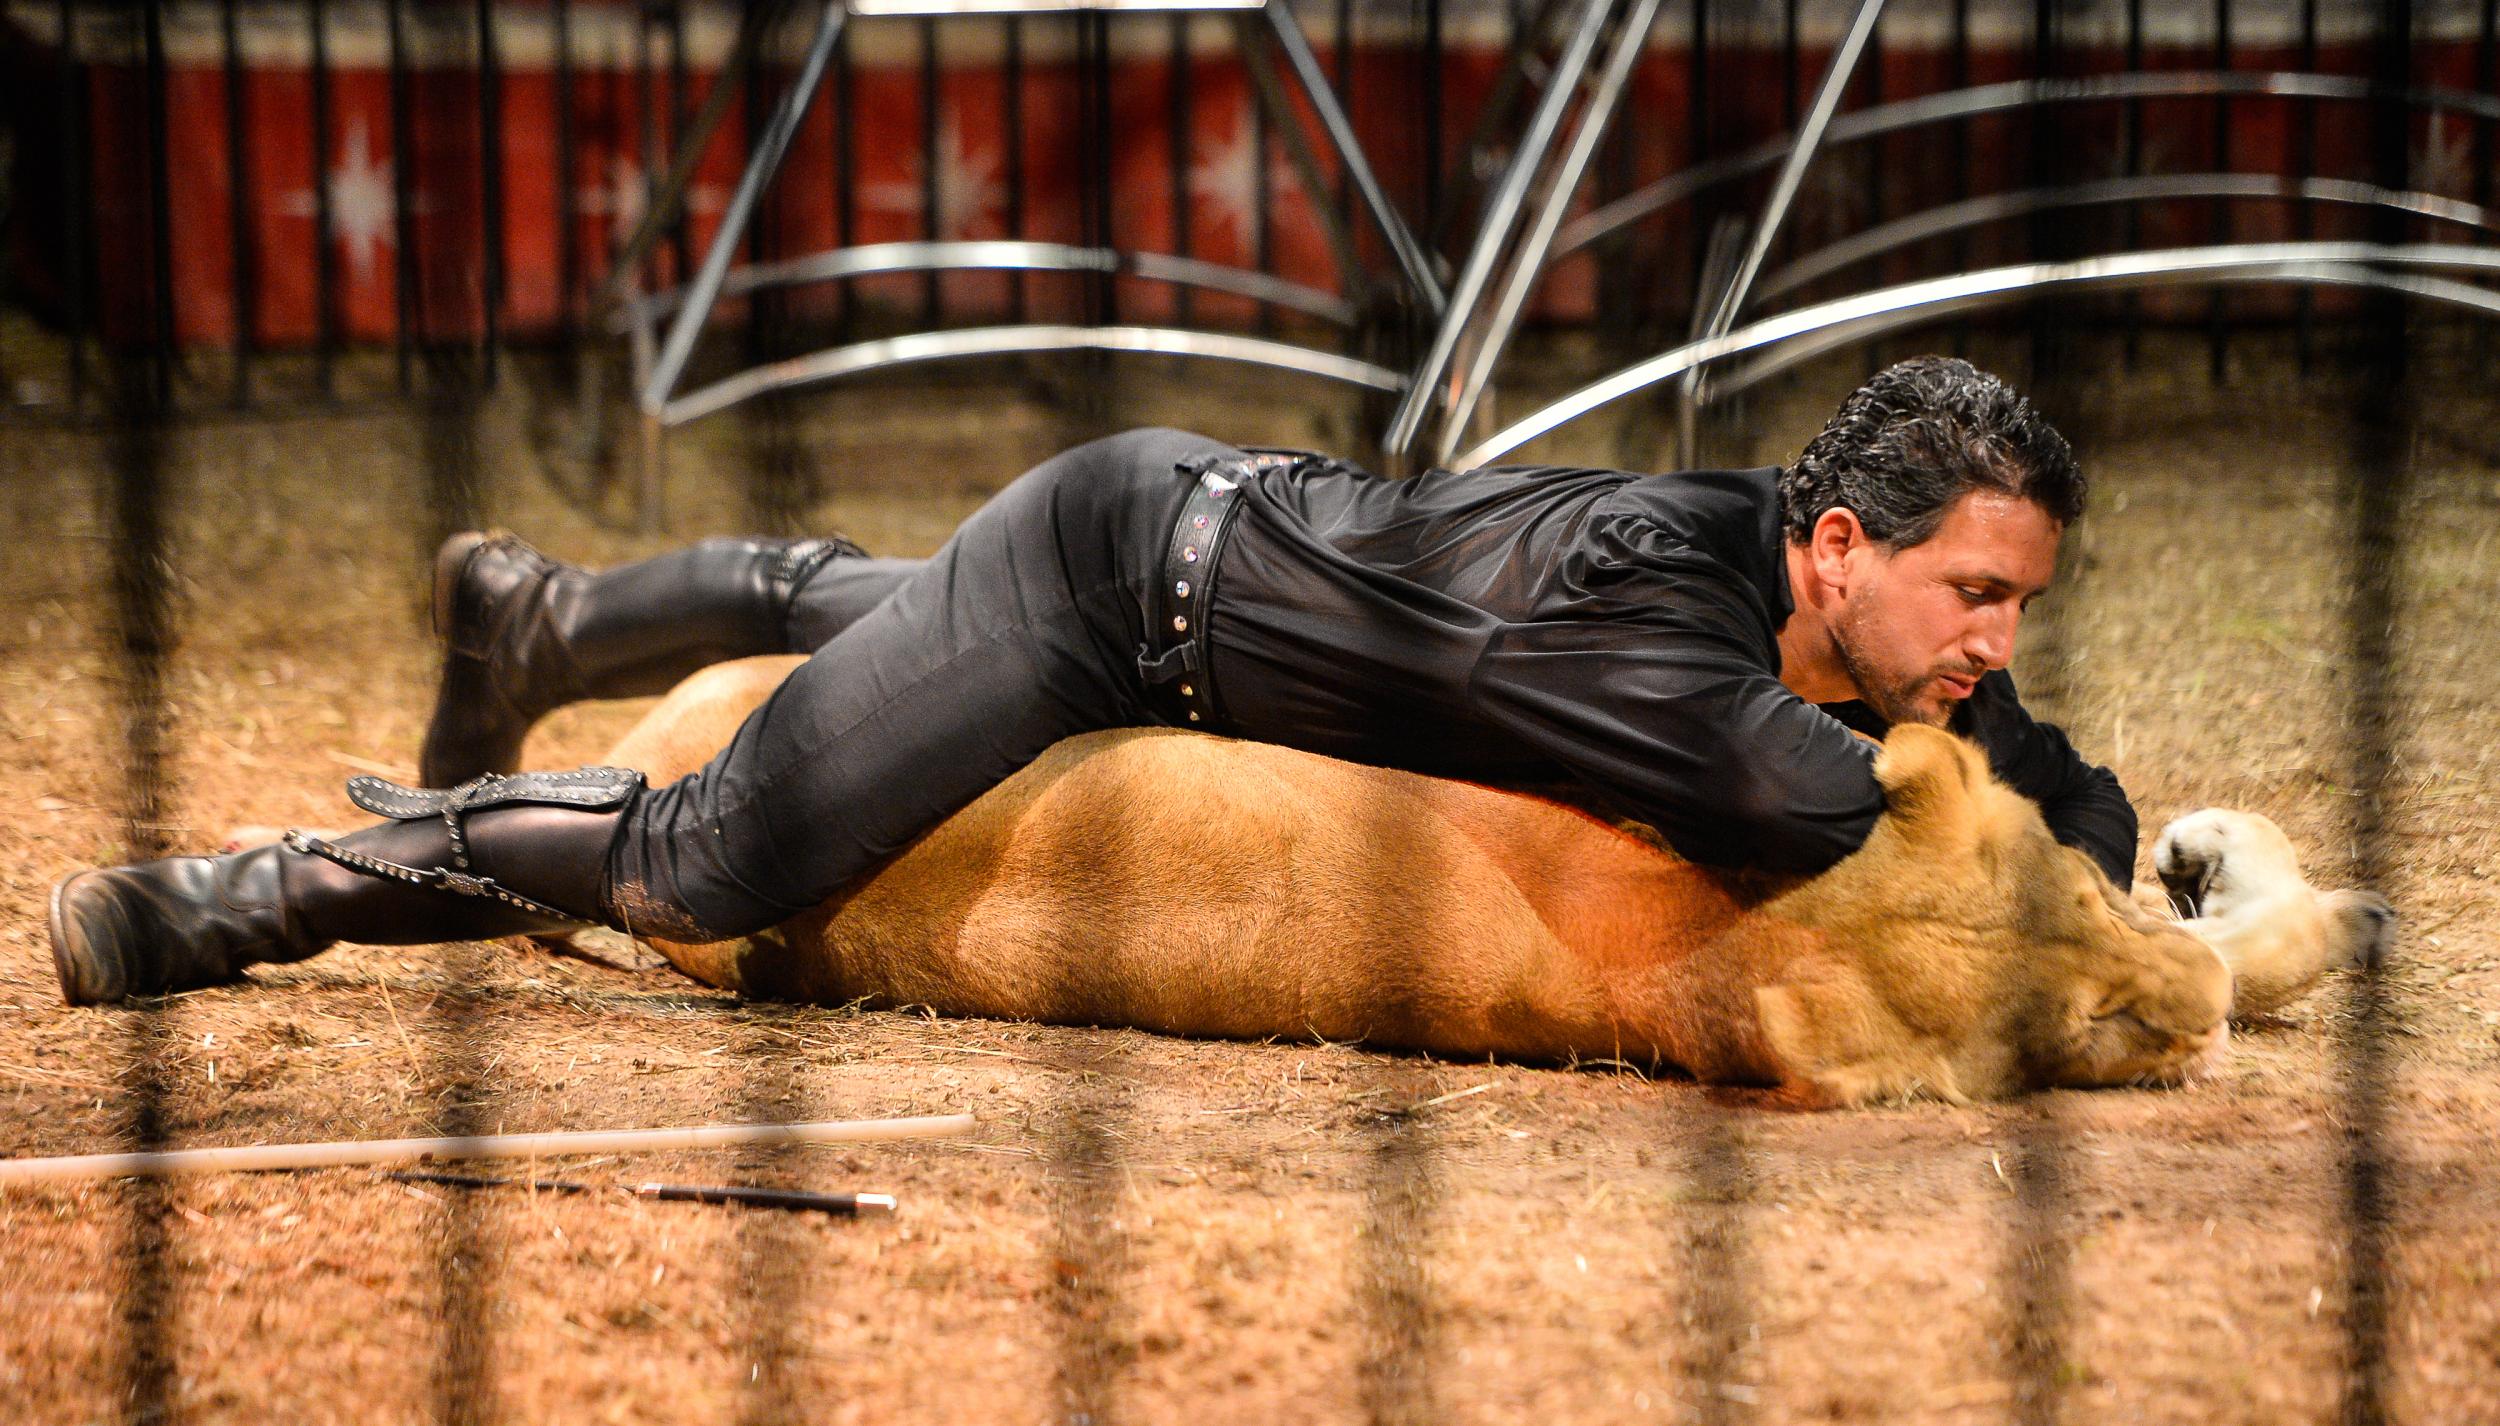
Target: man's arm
column 1670, row 709
column 2085, row 807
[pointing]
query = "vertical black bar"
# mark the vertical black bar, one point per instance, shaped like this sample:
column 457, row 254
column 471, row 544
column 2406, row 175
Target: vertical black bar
column 325, row 230
column 568, row 184
column 1341, row 52
column 2039, row 1267
column 143, row 622
column 2217, row 310
column 2378, row 475
column 681, row 234
column 846, row 166
column 2487, row 83
column 1957, row 149
column 142, row 613
column 1435, row 119
column 160, row 207
column 73, row 104
column 1263, row 203
column 433, row 38
column 1011, row 116
column 403, row 201
column 2129, row 217
column 773, row 1248
column 1402, row 1191
column 1704, row 210
column 490, row 161
column 1099, row 145
column 2305, row 162
column 1716, row 1259
column 1177, row 126
column 464, row 1380
column 244, row 272
column 1089, row 1253
column 768, row 334
column 1788, row 64
column 757, row 102
column 647, row 128
column 1876, row 175
column 932, row 221
column 1617, row 263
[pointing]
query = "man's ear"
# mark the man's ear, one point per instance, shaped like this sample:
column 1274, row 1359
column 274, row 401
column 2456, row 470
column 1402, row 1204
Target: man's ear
column 1836, row 532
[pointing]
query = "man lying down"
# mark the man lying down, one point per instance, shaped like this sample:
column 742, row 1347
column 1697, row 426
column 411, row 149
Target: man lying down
column 1704, row 649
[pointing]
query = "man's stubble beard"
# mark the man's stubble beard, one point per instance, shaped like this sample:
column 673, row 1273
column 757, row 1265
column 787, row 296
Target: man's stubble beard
column 1893, row 697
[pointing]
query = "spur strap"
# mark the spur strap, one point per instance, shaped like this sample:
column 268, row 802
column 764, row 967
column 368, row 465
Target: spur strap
column 436, row 878
column 590, row 789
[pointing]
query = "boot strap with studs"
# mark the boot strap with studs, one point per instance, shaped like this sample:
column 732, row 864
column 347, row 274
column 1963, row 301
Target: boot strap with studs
column 590, row 788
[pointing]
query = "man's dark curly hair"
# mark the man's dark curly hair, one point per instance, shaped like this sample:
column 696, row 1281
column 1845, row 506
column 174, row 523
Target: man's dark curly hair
column 1915, row 438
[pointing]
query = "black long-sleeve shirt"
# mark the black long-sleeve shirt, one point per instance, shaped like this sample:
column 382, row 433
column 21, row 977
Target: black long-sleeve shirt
column 1618, row 629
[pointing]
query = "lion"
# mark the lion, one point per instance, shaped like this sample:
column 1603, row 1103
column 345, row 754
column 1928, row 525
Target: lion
column 2237, row 881
column 1195, row 885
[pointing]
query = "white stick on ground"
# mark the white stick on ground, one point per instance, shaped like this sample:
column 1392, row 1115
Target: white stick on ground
column 338, row 1153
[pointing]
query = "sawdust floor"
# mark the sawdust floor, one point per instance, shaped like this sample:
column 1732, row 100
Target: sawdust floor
column 1154, row 1230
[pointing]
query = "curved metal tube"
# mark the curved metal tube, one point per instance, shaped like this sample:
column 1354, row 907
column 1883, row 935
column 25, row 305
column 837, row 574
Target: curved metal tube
column 1528, row 262
column 1995, row 207
column 1501, row 215
column 835, row 363
column 1804, row 349
column 2351, row 264
column 1995, row 98
column 1005, row 255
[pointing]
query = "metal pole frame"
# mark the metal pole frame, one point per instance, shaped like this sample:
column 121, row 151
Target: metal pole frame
column 661, row 369
column 1830, row 325
column 770, row 147
column 1501, row 219
column 1528, row 262
column 1999, row 97
column 1801, row 155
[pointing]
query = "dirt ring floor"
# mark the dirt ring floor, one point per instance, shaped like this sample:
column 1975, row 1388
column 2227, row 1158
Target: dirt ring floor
column 1153, row 1230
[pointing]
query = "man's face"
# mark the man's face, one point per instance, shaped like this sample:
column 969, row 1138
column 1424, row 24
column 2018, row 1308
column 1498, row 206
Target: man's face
column 1917, row 627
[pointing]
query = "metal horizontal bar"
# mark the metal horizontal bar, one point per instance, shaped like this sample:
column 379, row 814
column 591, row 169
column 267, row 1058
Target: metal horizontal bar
column 1040, row 7
column 835, row 363
column 1996, row 98
column 1909, row 304
column 1003, row 255
column 1995, row 207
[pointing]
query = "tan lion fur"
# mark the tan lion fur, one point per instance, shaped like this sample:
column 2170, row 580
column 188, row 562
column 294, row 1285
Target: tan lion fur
column 1195, row 885
column 2237, row 876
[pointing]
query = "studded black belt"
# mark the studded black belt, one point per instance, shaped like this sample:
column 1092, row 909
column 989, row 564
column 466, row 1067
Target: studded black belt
column 1175, row 663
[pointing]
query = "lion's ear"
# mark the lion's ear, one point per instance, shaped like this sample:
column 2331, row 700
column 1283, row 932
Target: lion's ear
column 1928, row 771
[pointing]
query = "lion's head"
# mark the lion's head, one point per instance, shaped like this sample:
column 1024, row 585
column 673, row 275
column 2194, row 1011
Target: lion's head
column 1995, row 959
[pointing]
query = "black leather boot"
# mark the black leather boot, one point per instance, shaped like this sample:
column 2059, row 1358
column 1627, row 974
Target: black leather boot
column 524, row 635
column 494, row 857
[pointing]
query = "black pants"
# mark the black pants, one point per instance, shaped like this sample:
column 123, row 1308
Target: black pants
column 934, row 682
